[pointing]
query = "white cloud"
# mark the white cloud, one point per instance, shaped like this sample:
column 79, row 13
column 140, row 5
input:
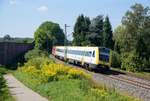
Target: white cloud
column 42, row 8
column 12, row 2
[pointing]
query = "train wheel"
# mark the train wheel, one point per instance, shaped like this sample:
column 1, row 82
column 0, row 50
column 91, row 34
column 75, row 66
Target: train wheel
column 106, row 68
column 86, row 66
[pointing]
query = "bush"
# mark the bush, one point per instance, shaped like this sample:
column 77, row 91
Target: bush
column 4, row 92
column 47, row 70
column 34, row 53
column 116, row 60
column 2, row 84
column 37, row 62
column 131, row 62
column 2, row 70
column 63, row 83
column 60, row 83
column 146, row 63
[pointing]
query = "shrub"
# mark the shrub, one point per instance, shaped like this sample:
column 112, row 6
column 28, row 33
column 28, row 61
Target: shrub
column 146, row 64
column 4, row 92
column 76, row 73
column 2, row 84
column 34, row 53
column 116, row 60
column 38, row 62
column 2, row 70
column 131, row 62
column 60, row 82
column 99, row 92
column 46, row 70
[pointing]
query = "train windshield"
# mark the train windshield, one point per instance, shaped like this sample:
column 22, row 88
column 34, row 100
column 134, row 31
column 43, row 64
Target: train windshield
column 104, row 54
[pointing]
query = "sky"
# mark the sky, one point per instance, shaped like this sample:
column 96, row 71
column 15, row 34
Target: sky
column 21, row 18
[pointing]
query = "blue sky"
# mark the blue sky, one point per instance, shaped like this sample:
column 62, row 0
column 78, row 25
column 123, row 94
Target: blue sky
column 20, row 18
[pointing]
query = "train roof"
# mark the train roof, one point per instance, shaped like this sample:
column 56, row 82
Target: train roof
column 82, row 46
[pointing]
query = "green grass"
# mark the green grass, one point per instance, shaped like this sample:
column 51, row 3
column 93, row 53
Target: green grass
column 4, row 91
column 3, row 70
column 143, row 74
column 138, row 74
column 6, row 96
column 69, row 89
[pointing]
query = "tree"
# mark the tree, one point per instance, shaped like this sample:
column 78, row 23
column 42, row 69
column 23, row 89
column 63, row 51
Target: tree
column 81, row 29
column 118, row 38
column 137, row 24
column 92, row 33
column 107, row 34
column 47, row 35
column 7, row 37
column 133, row 37
column 96, row 31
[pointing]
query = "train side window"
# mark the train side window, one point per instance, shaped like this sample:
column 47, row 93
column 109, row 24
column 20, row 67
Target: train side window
column 93, row 53
column 90, row 53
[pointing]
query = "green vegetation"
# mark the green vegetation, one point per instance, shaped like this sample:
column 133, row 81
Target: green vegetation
column 59, row 82
column 97, row 32
column 81, row 30
column 34, row 53
column 116, row 60
column 8, row 38
column 3, row 70
column 143, row 74
column 4, row 92
column 132, row 39
column 107, row 34
column 47, row 35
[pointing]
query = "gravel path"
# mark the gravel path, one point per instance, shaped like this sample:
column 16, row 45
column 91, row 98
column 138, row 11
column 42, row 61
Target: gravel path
column 21, row 92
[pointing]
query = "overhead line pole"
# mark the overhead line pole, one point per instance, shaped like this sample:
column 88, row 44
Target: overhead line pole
column 65, row 42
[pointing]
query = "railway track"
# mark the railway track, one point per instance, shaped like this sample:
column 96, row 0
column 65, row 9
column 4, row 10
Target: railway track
column 123, row 79
column 132, row 85
column 132, row 82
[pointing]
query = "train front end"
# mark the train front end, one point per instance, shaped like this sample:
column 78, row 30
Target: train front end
column 105, row 57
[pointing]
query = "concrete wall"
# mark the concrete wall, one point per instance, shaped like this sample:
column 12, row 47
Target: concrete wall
column 9, row 52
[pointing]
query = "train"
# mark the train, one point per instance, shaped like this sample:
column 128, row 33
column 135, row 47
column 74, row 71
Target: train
column 89, row 57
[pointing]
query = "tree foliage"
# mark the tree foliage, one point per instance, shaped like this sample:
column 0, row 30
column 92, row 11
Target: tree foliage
column 92, row 33
column 116, row 60
column 34, row 53
column 137, row 24
column 48, row 34
column 118, row 38
column 96, row 31
column 131, row 62
column 7, row 37
column 81, row 29
column 132, row 38
column 107, row 34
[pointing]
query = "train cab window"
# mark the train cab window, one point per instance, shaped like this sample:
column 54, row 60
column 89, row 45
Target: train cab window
column 60, row 50
column 93, row 54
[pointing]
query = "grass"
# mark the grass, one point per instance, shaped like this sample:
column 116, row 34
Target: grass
column 4, row 92
column 65, row 88
column 5, row 95
column 3, row 70
column 141, row 74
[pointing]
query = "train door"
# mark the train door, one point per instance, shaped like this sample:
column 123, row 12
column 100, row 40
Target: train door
column 92, row 57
